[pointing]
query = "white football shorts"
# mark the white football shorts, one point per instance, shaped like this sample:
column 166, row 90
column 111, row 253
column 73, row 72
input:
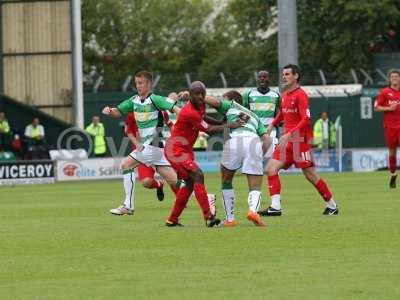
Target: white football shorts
column 243, row 152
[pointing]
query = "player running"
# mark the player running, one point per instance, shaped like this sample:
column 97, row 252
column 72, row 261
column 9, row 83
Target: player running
column 245, row 149
column 146, row 174
column 179, row 152
column 388, row 102
column 295, row 144
column 147, row 108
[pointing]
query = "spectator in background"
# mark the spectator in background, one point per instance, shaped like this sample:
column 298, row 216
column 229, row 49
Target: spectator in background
column 324, row 133
column 35, row 141
column 34, row 133
column 96, row 130
column 201, row 143
column 5, row 132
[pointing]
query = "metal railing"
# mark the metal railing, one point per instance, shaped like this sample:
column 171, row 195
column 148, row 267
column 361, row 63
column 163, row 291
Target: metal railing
column 101, row 82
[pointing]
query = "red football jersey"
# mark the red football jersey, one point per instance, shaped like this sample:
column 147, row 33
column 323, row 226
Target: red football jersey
column 131, row 127
column 186, row 129
column 387, row 97
column 295, row 113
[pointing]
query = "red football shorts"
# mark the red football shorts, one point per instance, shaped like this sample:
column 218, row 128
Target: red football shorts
column 300, row 155
column 183, row 163
column 392, row 137
column 145, row 172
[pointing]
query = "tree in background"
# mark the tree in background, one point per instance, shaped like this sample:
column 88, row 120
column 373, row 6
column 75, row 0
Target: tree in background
column 121, row 37
column 241, row 41
column 336, row 35
column 169, row 37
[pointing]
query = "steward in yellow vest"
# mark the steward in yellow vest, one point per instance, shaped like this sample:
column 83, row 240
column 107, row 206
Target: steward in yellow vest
column 201, row 143
column 96, row 129
column 324, row 133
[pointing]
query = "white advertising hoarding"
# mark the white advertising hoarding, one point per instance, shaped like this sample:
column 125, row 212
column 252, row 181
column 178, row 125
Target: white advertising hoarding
column 89, row 169
column 370, row 159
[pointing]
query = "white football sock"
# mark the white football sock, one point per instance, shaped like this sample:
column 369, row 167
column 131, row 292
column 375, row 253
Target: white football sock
column 129, row 187
column 276, row 201
column 254, row 200
column 331, row 204
column 228, row 197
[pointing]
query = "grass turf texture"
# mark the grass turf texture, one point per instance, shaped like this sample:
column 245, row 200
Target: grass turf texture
column 59, row 242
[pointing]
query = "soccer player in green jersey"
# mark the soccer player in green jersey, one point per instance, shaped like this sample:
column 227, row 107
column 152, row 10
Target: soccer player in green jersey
column 149, row 150
column 244, row 149
column 265, row 103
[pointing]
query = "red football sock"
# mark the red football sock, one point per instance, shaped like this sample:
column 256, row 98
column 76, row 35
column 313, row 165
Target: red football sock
column 323, row 190
column 392, row 164
column 202, row 198
column 182, row 198
column 274, row 185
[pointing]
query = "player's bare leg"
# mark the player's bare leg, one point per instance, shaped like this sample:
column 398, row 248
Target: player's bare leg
column 228, row 196
column 170, row 177
column 274, row 186
column 392, row 167
column 128, row 206
column 323, row 190
column 152, row 183
column 254, row 199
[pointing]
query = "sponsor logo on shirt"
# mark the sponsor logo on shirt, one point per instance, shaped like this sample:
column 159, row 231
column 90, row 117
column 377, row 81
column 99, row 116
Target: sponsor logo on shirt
column 143, row 116
column 394, row 101
column 289, row 110
column 262, row 106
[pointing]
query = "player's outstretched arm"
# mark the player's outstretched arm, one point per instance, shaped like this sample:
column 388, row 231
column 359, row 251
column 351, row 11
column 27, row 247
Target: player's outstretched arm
column 111, row 111
column 232, row 125
column 213, row 102
column 212, row 121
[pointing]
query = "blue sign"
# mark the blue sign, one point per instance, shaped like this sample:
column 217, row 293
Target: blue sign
column 325, row 161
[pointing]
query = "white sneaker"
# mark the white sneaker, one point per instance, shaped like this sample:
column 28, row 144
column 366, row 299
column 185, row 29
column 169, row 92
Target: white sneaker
column 121, row 210
column 211, row 201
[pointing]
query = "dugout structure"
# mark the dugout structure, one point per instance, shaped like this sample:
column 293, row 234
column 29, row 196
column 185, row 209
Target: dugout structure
column 36, row 55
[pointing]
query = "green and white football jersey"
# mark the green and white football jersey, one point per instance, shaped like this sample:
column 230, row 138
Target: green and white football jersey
column 265, row 106
column 149, row 119
column 232, row 110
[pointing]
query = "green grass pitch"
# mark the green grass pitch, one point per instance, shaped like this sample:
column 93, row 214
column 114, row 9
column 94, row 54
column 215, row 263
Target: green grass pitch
column 59, row 242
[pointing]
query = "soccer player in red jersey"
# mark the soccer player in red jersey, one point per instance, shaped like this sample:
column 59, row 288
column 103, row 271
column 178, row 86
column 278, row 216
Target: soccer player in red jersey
column 145, row 173
column 295, row 144
column 388, row 102
column 179, row 152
